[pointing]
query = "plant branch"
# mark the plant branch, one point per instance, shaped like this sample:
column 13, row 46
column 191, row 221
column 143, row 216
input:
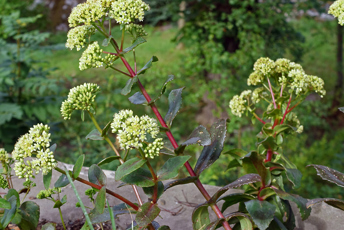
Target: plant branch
column 293, row 107
column 258, row 118
column 64, row 226
column 122, row 39
column 286, row 110
column 119, row 71
column 272, row 94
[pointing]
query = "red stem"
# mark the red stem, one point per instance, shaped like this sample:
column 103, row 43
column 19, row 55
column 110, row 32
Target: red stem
column 286, row 111
column 258, row 118
column 272, row 94
column 268, row 156
column 187, row 165
column 293, row 107
column 105, row 52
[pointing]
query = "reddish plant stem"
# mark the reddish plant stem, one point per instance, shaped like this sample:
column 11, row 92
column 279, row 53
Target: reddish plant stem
column 105, row 52
column 293, row 107
column 272, row 94
column 258, row 118
column 268, row 156
column 187, row 165
column 286, row 111
column 128, row 202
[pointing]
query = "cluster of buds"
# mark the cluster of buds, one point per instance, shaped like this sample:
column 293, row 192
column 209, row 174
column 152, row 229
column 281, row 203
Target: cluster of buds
column 135, row 30
column 36, row 142
column 133, row 130
column 76, row 37
column 3, row 182
column 4, row 156
column 43, row 194
column 126, row 11
column 337, row 10
column 79, row 98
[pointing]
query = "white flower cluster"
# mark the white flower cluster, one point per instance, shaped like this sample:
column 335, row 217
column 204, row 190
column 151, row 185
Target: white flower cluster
column 337, row 10
column 4, row 157
column 237, row 104
column 92, row 57
column 79, row 98
column 86, row 13
column 153, row 149
column 76, row 37
column 36, row 142
column 135, row 30
column 126, row 11
column 47, row 193
column 264, row 65
column 132, row 131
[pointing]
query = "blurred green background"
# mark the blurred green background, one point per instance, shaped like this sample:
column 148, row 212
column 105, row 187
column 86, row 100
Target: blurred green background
column 210, row 47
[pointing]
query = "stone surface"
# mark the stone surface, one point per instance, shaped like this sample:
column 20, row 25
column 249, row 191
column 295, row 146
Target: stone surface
column 176, row 204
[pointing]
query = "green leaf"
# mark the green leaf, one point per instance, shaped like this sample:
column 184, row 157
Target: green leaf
column 245, row 223
column 47, row 179
column 148, row 65
column 94, row 135
column 96, row 175
column 9, row 111
column 340, row 109
column 112, row 217
column 186, row 180
column 129, row 167
column 200, row 217
column 57, row 204
column 53, row 148
column 78, row 166
column 146, row 214
column 100, row 200
column 164, row 227
column 4, row 204
column 329, row 174
column 108, row 160
column 268, row 143
column 107, row 41
column 138, row 99
column 262, row 212
column 330, row 201
column 281, row 128
column 175, row 101
column 164, row 86
column 267, row 129
column 284, row 212
column 298, row 200
column 272, row 113
column 150, row 190
column 140, row 177
column 119, row 209
column 237, row 154
column 215, row 224
column 266, row 192
column 12, row 192
column 49, row 226
column 127, row 88
column 212, row 152
column 62, row 181
column 294, row 176
column 106, row 128
column 9, row 213
column 234, row 198
column 171, row 167
column 258, row 164
column 136, row 43
column 246, row 179
column 199, row 136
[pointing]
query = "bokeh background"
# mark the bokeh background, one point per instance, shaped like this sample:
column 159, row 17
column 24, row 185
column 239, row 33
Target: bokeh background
column 210, row 48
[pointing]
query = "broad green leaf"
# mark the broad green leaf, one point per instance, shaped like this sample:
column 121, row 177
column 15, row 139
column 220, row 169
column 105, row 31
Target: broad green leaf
column 4, row 204
column 164, row 86
column 277, row 224
column 237, row 153
column 293, row 174
column 246, row 179
column 212, row 152
column 9, row 111
column 9, row 213
column 168, row 148
column 106, row 128
column 62, row 181
column 138, row 99
column 149, row 191
column 298, row 200
column 94, row 135
column 186, row 180
column 261, row 212
column 267, row 129
column 148, row 65
column 53, row 147
column 129, row 167
column 268, row 143
column 136, row 43
column 199, row 136
column 215, row 224
column 30, row 215
column 78, row 166
column 329, row 174
column 164, row 227
column 100, row 200
column 108, row 160
column 57, row 204
column 171, row 167
column 244, row 220
column 49, row 226
column 266, row 192
column 47, row 179
column 257, row 161
column 96, row 175
column 119, row 209
column 174, row 101
column 233, row 164
column 234, row 198
column 330, row 201
column 284, row 212
column 146, row 214
column 140, row 177
column 200, row 217
column 12, row 192
column 281, row 128
column 127, row 88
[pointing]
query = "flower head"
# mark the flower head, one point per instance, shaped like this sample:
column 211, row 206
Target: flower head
column 264, row 65
column 126, row 11
column 47, row 193
column 237, row 104
column 337, row 10
column 4, row 157
column 135, row 30
column 79, row 98
column 255, row 78
column 3, row 182
column 76, row 37
column 86, row 13
column 256, row 94
column 35, row 142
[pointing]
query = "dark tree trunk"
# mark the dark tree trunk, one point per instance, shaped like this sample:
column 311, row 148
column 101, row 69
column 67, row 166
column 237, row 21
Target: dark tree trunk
column 338, row 90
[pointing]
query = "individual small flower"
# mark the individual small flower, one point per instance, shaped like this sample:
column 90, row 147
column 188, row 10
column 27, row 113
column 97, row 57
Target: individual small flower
column 4, row 157
column 337, row 10
column 255, row 78
column 3, row 182
column 132, row 130
column 256, row 94
column 264, row 65
column 136, row 30
column 126, row 11
column 86, row 13
column 79, row 98
column 76, row 37
column 153, row 149
column 43, row 194
column 237, row 105
column 295, row 66
column 35, row 142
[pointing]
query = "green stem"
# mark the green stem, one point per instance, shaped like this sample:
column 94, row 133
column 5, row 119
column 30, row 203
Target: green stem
column 64, row 226
column 122, row 39
column 112, row 218
column 135, row 64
